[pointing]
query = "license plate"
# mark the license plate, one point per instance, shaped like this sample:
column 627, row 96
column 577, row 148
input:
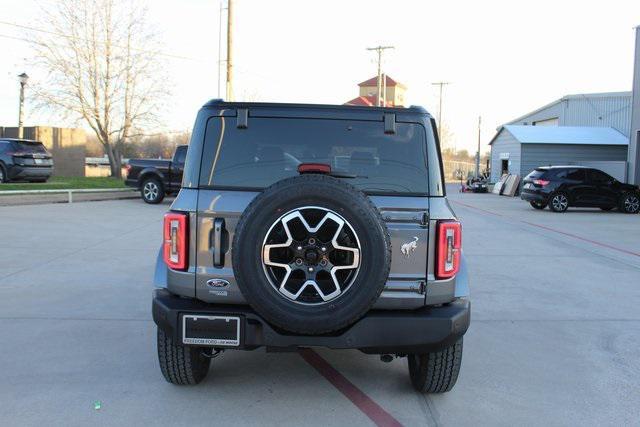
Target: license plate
column 211, row 330
column 39, row 161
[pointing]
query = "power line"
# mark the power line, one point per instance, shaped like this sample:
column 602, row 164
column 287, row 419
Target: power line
column 53, row 33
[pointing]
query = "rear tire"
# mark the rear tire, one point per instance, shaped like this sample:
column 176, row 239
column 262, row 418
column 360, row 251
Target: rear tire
column 538, row 205
column 559, row 202
column 180, row 364
column 3, row 174
column 436, row 372
column 630, row 203
column 152, row 191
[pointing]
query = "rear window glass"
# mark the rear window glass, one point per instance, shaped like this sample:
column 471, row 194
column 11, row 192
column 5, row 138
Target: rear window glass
column 29, row 147
column 537, row 174
column 271, row 149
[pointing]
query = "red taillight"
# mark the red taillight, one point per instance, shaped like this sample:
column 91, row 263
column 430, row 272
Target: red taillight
column 175, row 240
column 449, row 239
column 314, row 168
column 542, row 182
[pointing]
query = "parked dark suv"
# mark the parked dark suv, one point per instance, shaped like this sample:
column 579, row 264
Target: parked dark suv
column 562, row 186
column 24, row 160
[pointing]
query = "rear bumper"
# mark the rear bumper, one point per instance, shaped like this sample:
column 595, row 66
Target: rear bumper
column 532, row 196
column 379, row 332
column 27, row 172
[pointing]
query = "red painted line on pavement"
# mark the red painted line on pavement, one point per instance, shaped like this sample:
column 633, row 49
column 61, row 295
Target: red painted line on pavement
column 575, row 236
column 477, row 208
column 584, row 239
column 370, row 408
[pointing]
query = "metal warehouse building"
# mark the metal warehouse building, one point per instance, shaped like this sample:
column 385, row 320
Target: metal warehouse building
column 586, row 129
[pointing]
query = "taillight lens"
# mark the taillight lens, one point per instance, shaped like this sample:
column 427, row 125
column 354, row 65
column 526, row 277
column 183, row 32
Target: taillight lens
column 448, row 251
column 175, row 240
column 542, row 182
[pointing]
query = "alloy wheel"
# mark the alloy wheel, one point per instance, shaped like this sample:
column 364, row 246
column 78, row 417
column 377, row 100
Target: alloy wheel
column 632, row 203
column 311, row 255
column 560, row 202
column 150, row 190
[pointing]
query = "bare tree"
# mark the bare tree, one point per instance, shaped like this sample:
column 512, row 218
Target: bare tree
column 103, row 67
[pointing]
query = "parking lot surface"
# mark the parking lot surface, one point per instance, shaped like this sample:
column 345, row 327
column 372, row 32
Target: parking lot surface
column 554, row 336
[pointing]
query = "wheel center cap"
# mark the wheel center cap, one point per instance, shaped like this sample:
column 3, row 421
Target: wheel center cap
column 311, row 256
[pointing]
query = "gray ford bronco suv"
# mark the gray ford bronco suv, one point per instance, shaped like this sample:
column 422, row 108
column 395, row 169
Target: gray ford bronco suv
column 312, row 226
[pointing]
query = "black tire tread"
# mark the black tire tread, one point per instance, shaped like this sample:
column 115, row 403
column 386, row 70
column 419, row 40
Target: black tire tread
column 437, row 372
column 5, row 174
column 539, row 206
column 181, row 365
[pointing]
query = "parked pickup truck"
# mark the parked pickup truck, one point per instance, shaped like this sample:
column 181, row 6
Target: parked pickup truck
column 312, row 226
column 156, row 178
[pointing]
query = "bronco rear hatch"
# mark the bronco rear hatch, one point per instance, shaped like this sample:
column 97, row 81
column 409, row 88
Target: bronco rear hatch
column 246, row 153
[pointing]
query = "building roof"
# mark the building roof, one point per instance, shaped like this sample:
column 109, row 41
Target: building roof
column 578, row 135
column 373, row 81
column 568, row 97
column 368, row 101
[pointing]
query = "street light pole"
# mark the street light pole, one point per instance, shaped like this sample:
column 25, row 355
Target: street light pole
column 23, row 82
column 478, row 152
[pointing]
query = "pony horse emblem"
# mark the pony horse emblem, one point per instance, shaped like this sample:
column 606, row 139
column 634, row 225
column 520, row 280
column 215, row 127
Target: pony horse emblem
column 408, row 248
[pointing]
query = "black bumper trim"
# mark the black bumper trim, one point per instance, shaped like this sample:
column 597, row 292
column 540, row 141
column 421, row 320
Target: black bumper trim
column 533, row 197
column 380, row 331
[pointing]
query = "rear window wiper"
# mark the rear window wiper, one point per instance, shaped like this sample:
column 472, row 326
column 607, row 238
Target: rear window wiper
column 342, row 174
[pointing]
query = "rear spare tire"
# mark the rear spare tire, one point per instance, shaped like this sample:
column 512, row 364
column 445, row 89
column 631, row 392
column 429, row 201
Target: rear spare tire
column 311, row 254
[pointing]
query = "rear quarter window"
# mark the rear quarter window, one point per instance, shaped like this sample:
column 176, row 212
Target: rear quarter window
column 269, row 150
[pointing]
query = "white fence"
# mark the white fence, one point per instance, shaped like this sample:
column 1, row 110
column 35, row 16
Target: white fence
column 68, row 192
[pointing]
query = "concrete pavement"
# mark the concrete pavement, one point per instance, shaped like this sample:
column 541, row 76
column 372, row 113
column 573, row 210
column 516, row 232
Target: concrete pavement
column 554, row 339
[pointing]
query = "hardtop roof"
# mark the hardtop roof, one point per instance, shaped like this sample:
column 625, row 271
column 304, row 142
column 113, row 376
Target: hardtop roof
column 219, row 103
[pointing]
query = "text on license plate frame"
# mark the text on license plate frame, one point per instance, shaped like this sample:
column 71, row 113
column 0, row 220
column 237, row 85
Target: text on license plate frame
column 211, row 340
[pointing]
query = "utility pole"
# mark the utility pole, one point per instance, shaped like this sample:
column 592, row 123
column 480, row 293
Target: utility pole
column 229, row 50
column 23, row 82
column 220, row 45
column 441, row 84
column 384, row 89
column 478, row 152
column 379, row 49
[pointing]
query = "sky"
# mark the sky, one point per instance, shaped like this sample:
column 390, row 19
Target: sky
column 502, row 58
